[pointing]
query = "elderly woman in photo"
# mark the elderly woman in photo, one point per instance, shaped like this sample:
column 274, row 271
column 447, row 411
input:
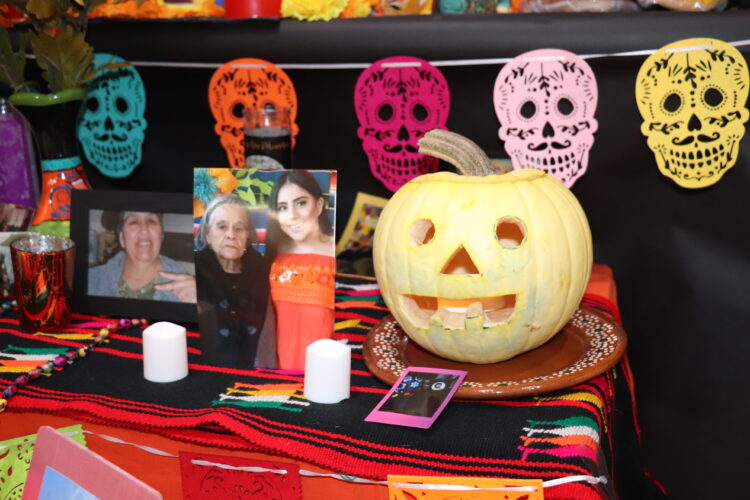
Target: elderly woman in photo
column 302, row 275
column 235, row 314
column 138, row 270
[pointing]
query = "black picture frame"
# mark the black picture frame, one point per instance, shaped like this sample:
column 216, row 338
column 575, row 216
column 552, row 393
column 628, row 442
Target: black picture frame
column 82, row 203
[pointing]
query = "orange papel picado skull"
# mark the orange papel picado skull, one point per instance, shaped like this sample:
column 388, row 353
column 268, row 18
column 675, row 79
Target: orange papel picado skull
column 247, row 83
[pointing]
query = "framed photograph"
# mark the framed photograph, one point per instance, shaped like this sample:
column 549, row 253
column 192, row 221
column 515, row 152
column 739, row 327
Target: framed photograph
column 265, row 264
column 62, row 468
column 418, row 397
column 134, row 254
column 360, row 228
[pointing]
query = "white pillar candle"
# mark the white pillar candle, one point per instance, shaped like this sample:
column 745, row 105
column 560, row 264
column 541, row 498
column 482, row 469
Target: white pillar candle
column 164, row 352
column 327, row 371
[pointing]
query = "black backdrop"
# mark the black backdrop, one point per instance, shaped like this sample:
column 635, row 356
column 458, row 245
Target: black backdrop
column 681, row 257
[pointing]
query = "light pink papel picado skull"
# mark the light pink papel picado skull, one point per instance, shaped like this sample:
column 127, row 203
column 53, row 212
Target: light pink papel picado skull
column 398, row 100
column 545, row 101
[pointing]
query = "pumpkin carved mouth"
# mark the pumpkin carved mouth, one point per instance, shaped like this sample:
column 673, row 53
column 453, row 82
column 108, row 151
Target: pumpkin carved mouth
column 455, row 313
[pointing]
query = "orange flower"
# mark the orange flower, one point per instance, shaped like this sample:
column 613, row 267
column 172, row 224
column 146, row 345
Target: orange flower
column 358, row 8
column 52, row 32
column 7, row 13
column 324, row 278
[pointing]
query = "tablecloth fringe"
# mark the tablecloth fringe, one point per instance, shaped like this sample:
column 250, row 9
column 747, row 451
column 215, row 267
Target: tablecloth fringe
column 343, row 477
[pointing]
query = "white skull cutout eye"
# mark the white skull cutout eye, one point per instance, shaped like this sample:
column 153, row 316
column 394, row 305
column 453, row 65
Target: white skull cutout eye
column 545, row 101
column 691, row 95
column 398, row 100
column 112, row 123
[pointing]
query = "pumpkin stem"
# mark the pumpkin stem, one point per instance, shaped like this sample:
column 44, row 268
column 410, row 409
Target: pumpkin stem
column 457, row 150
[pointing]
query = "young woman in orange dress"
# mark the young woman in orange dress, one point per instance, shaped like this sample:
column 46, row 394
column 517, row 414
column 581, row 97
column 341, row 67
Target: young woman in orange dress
column 301, row 244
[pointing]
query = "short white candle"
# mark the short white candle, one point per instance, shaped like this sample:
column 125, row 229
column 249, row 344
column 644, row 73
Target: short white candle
column 327, row 371
column 164, row 352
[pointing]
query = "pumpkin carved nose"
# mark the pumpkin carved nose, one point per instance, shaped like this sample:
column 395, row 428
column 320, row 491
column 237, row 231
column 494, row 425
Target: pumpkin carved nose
column 460, row 263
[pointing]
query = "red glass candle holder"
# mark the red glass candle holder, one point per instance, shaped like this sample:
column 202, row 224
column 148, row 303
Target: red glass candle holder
column 252, row 8
column 43, row 274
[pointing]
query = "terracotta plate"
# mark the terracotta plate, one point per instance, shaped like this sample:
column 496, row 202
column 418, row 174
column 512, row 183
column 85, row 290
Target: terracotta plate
column 589, row 344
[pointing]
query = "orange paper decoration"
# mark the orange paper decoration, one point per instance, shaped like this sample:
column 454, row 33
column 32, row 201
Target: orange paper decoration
column 439, row 488
column 247, row 84
column 158, row 9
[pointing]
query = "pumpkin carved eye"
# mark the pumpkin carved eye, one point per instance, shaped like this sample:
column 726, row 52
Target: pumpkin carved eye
column 510, row 232
column 421, row 232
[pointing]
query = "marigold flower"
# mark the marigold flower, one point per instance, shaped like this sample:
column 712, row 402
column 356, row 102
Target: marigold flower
column 312, row 10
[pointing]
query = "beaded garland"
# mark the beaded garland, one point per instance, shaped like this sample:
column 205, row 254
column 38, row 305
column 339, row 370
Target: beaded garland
column 7, row 306
column 68, row 358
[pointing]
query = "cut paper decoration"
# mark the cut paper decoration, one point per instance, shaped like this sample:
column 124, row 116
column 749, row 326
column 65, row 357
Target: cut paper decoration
column 360, row 228
column 452, row 488
column 15, row 459
column 112, row 122
column 83, row 467
column 208, row 477
column 545, row 101
column 691, row 95
column 397, row 100
column 247, row 84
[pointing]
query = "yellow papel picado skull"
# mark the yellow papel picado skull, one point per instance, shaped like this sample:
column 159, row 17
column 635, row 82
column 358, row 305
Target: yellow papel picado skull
column 691, row 95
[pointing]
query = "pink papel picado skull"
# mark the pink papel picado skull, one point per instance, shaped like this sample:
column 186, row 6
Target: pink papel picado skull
column 398, row 100
column 545, row 101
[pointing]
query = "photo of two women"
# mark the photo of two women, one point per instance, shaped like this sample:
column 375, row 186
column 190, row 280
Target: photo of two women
column 265, row 264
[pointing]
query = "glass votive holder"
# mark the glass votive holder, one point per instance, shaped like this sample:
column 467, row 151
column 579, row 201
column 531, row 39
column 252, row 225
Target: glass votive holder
column 268, row 138
column 43, row 274
column 239, row 9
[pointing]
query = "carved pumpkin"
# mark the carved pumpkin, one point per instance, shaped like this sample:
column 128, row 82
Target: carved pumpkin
column 481, row 267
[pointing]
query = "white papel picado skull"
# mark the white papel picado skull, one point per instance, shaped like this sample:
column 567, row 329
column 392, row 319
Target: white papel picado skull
column 112, row 123
column 691, row 95
column 398, row 100
column 545, row 101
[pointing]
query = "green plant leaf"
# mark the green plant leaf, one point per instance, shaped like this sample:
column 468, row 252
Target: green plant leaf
column 44, row 9
column 93, row 4
column 57, row 35
column 65, row 58
column 115, row 65
column 13, row 64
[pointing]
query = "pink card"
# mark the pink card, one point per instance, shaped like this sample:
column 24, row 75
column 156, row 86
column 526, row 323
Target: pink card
column 417, row 398
column 59, row 465
column 210, row 477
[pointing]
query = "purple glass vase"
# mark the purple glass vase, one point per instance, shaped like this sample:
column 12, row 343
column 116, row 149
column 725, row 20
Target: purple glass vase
column 19, row 184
